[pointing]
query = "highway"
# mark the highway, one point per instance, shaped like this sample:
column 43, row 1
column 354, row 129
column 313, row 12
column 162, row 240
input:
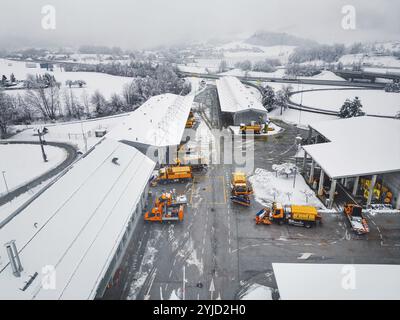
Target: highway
column 295, row 81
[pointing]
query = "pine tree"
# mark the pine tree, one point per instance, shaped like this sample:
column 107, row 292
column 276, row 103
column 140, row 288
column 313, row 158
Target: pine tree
column 351, row 108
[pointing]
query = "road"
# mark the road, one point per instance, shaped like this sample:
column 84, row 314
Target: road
column 295, row 81
column 217, row 252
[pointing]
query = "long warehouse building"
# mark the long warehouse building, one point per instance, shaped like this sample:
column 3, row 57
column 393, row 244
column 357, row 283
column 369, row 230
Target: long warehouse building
column 69, row 241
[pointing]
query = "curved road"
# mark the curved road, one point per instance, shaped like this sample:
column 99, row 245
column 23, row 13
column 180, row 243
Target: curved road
column 297, row 106
column 71, row 156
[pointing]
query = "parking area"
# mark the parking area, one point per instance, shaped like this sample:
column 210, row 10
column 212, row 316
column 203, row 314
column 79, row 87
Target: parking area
column 218, row 251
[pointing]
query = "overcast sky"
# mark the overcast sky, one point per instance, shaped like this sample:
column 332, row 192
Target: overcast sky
column 135, row 24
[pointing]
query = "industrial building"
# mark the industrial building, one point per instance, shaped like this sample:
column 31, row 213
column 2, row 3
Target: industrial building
column 68, row 241
column 355, row 159
column 156, row 125
column 238, row 104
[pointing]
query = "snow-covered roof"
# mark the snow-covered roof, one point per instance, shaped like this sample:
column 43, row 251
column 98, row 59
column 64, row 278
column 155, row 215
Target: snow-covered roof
column 160, row 121
column 358, row 146
column 75, row 225
column 235, row 97
column 306, row 281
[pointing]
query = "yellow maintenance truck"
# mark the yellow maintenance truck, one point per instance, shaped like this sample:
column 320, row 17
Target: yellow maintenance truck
column 174, row 173
column 191, row 120
column 252, row 127
column 240, row 189
column 305, row 216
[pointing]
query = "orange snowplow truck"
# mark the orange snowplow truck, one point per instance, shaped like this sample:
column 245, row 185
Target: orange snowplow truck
column 305, row 216
column 167, row 208
column 175, row 173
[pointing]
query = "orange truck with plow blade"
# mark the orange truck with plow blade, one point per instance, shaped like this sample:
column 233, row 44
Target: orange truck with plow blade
column 168, row 207
column 305, row 216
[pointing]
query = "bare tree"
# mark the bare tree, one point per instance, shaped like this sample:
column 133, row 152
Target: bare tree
column 7, row 112
column 43, row 95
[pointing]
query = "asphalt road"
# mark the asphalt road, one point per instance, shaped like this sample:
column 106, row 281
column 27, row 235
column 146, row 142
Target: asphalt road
column 217, row 252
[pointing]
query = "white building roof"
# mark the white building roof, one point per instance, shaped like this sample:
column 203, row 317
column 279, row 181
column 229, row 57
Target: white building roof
column 358, row 146
column 75, row 225
column 159, row 122
column 306, row 281
column 235, row 97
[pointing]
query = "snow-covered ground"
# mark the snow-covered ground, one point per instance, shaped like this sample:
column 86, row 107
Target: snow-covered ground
column 269, row 188
column 239, row 51
column 22, row 163
column 378, row 61
column 301, row 119
column 325, row 75
column 375, row 102
column 105, row 83
column 72, row 132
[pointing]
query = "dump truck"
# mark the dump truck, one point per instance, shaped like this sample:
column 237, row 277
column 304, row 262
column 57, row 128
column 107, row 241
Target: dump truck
column 174, row 173
column 356, row 218
column 168, row 207
column 240, row 189
column 190, row 120
column 305, row 216
column 253, row 127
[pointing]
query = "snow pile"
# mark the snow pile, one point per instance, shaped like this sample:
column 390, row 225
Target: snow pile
column 257, row 292
column 328, row 75
column 269, row 188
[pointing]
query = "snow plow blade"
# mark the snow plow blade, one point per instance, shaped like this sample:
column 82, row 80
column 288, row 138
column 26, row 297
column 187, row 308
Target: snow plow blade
column 244, row 201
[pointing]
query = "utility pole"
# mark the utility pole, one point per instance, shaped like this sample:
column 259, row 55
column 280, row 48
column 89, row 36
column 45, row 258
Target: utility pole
column 5, row 181
column 41, row 145
column 84, row 136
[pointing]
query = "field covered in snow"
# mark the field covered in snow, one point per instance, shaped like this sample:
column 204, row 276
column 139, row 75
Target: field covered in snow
column 105, row 83
column 23, row 163
column 375, row 102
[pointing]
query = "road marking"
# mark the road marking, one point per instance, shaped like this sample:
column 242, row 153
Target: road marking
column 305, row 256
column 170, row 274
column 212, row 288
column 147, row 295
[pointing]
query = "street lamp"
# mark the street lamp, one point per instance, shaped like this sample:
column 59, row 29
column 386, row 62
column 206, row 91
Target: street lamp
column 43, row 132
column 5, row 181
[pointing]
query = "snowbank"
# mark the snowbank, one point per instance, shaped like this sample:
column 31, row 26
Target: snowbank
column 257, row 292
